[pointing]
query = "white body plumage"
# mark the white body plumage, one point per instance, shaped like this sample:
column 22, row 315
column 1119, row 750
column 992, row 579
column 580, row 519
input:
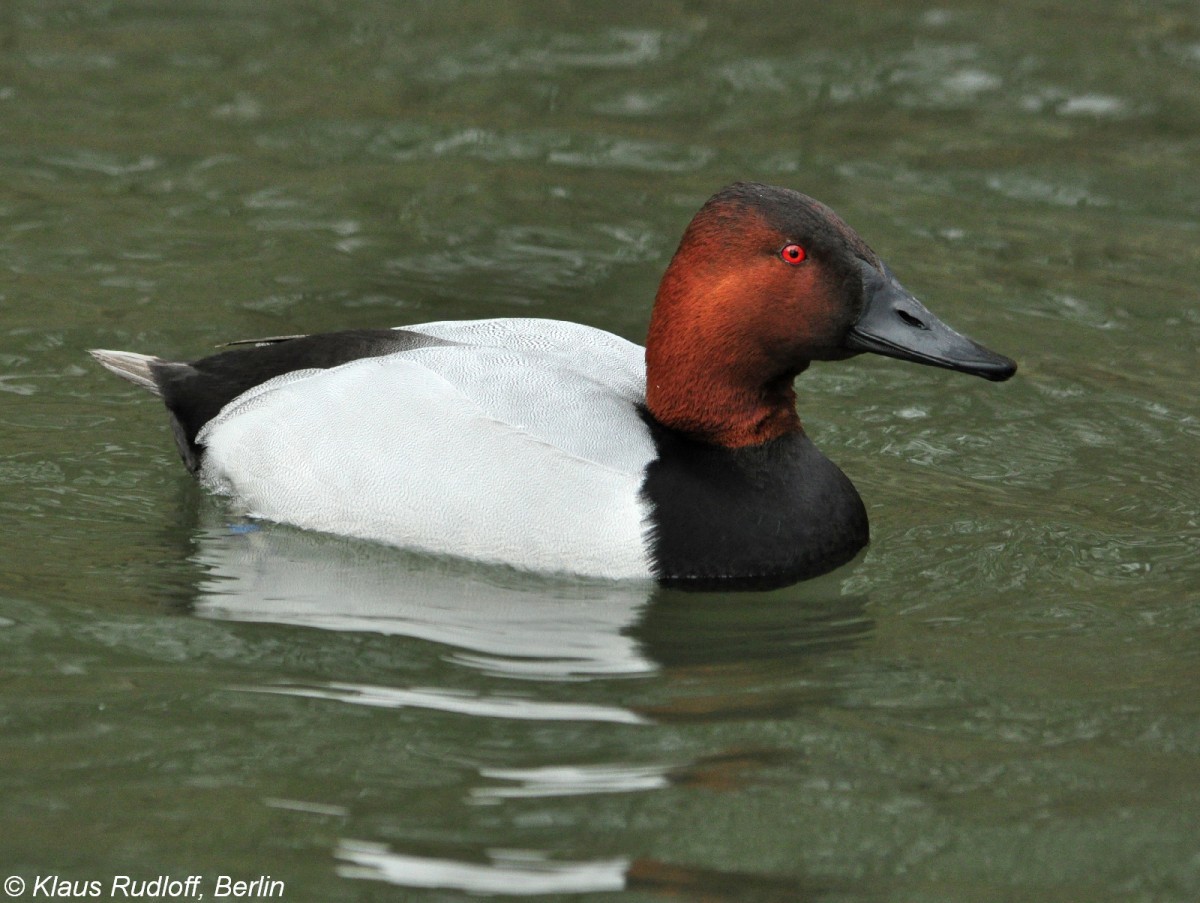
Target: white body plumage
column 518, row 441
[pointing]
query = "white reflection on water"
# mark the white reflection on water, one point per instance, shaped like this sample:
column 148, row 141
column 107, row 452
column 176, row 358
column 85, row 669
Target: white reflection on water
column 509, row 872
column 494, row 620
column 532, row 783
column 311, row 808
column 457, row 702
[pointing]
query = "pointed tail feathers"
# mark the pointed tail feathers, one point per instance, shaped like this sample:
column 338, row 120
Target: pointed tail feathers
column 131, row 366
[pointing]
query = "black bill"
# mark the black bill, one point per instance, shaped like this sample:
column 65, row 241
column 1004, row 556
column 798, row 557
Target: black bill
column 895, row 324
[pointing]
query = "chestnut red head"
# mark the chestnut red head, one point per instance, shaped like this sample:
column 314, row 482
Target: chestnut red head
column 766, row 280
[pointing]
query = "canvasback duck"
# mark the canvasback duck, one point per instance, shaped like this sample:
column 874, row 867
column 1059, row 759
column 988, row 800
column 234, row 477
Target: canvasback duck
column 556, row 447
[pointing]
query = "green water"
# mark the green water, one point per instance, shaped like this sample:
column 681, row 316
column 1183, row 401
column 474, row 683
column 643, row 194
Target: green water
column 997, row 701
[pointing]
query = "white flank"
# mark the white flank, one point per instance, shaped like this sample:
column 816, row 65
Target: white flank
column 522, row 445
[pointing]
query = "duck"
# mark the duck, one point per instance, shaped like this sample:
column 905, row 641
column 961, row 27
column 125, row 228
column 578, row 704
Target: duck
column 556, row 447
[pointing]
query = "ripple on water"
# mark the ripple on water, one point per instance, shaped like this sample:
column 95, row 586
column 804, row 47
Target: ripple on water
column 511, row 52
column 942, row 76
column 1019, row 186
column 105, row 164
column 643, row 103
column 1054, row 556
column 407, row 142
column 1094, row 313
column 610, row 153
column 1099, row 106
column 410, row 140
column 31, row 473
column 81, row 61
column 522, row 264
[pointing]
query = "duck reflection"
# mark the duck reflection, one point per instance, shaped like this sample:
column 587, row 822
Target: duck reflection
column 622, row 657
column 722, row 772
column 491, row 619
column 525, row 873
column 512, row 624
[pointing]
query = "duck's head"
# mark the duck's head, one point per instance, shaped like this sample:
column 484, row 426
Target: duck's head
column 766, row 280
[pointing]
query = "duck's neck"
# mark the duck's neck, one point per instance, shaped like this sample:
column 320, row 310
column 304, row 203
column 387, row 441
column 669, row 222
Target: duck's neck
column 702, row 381
column 719, row 413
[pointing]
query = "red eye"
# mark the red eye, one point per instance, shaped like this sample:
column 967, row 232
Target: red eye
column 793, row 254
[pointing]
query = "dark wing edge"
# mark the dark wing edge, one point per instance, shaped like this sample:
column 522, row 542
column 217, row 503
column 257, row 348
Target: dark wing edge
column 195, row 392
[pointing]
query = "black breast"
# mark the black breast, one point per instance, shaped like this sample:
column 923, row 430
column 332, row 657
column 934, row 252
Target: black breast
column 767, row 515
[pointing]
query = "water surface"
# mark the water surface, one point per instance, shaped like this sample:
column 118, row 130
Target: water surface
column 997, row 701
